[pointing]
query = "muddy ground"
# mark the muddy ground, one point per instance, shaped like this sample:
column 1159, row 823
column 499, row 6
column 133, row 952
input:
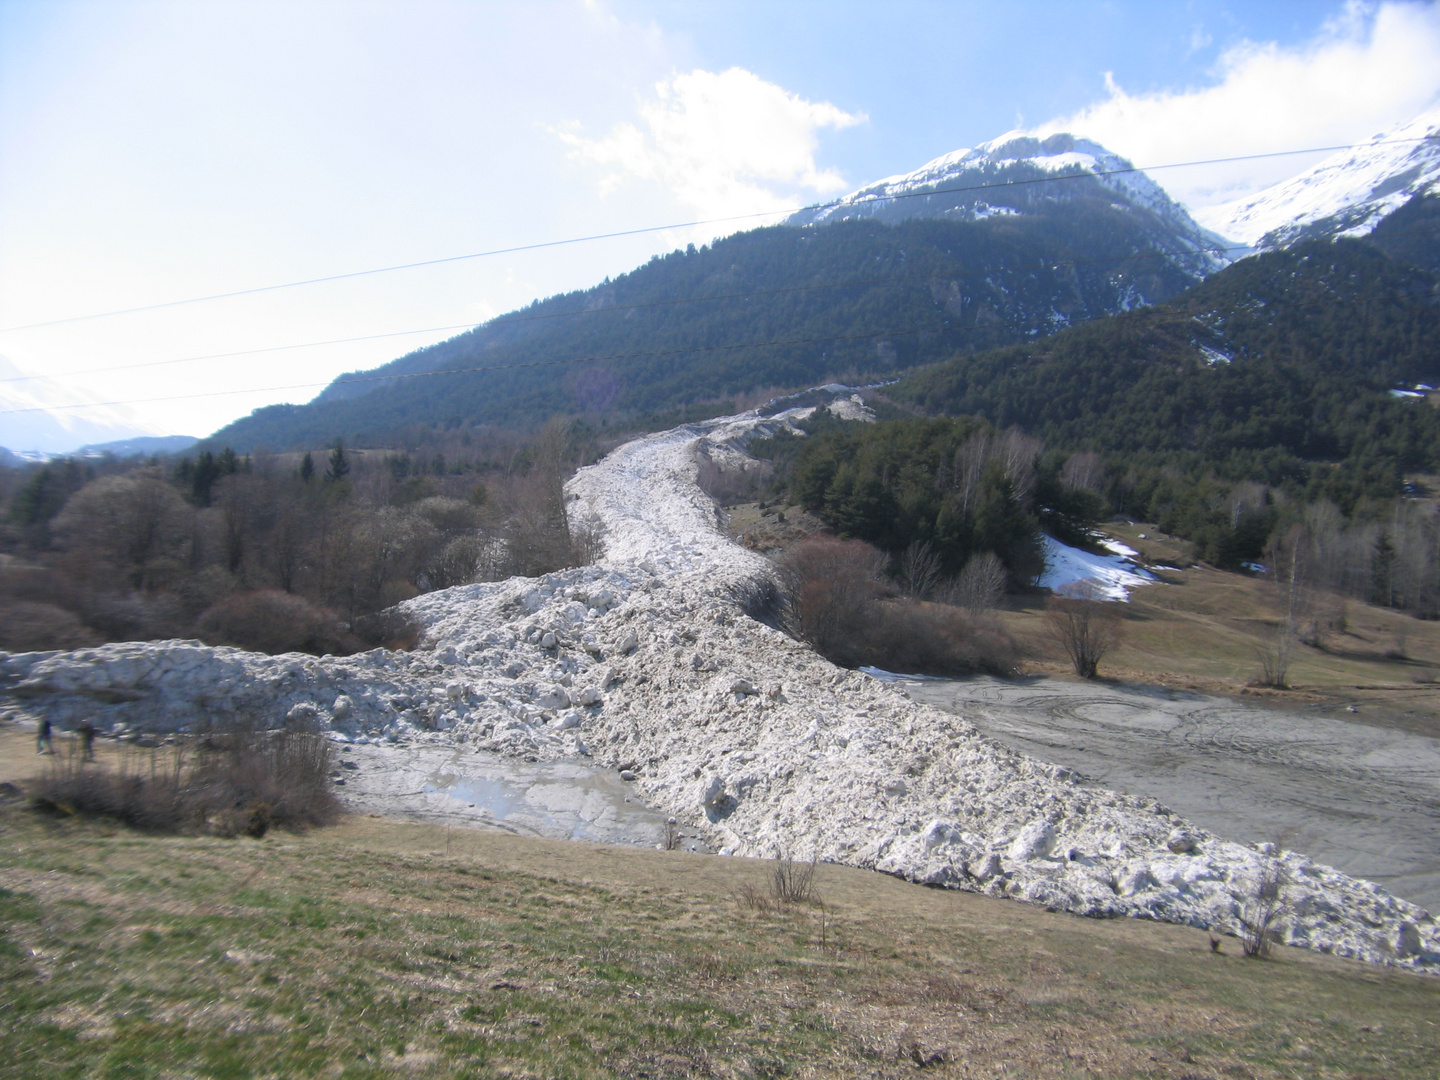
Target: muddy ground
column 1361, row 796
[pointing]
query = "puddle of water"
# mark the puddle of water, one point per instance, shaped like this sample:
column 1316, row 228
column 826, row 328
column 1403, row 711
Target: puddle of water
column 557, row 799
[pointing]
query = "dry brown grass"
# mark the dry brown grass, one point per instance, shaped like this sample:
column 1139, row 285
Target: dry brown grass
column 1206, row 629
column 226, row 782
column 365, row 950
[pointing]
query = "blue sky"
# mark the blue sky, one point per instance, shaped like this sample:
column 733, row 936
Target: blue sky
column 151, row 151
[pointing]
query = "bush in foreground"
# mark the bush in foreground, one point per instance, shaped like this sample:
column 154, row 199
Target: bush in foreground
column 242, row 780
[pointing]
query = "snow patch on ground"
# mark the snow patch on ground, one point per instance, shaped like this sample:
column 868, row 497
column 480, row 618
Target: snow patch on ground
column 1213, row 356
column 648, row 663
column 1070, row 571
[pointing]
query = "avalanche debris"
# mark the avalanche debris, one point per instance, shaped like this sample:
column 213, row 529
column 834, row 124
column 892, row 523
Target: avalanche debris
column 645, row 663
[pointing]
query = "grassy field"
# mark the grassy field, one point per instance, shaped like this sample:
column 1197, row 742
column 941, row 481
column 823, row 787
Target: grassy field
column 375, row 948
column 1203, row 629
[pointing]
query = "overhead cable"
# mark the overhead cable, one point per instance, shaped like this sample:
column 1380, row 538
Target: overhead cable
column 863, row 200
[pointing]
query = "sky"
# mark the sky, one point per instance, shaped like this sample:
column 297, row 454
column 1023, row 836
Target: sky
column 160, row 150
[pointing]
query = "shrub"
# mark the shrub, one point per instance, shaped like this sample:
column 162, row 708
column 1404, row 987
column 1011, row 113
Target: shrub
column 271, row 621
column 1262, row 911
column 227, row 782
column 1086, row 628
column 934, row 639
column 392, row 629
column 767, row 599
column 838, row 607
column 792, row 882
column 31, row 627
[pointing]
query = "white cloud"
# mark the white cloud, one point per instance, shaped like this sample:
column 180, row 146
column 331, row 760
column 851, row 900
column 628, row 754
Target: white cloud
column 1367, row 69
column 721, row 143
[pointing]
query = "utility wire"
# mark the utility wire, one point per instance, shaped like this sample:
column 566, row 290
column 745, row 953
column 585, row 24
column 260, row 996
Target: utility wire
column 650, row 354
column 491, row 367
column 506, row 320
column 860, row 201
column 510, row 319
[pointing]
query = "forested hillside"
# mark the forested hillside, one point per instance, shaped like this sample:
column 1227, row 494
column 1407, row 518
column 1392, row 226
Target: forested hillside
column 1263, row 398
column 1277, row 369
column 779, row 307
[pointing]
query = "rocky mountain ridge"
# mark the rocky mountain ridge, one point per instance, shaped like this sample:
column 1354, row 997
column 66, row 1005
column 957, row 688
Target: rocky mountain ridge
column 1017, row 173
column 1348, row 194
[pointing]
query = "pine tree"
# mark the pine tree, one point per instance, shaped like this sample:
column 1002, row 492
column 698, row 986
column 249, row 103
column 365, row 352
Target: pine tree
column 339, row 464
column 307, row 468
column 1382, row 572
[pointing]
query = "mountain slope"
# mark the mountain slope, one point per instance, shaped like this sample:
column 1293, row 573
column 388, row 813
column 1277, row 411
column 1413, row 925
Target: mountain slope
column 1272, row 370
column 772, row 307
column 1018, row 174
column 1347, row 194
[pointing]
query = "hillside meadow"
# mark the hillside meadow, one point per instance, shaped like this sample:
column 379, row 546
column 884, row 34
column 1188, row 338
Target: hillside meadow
column 377, row 948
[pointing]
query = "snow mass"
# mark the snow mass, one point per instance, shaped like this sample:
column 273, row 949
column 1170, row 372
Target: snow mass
column 647, row 662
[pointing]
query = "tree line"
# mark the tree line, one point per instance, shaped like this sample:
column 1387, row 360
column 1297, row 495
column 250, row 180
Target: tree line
column 279, row 552
column 941, row 496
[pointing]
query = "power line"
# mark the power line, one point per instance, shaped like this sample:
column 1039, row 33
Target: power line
column 746, row 294
column 509, row 319
column 707, row 221
column 240, row 352
column 492, row 367
column 649, row 354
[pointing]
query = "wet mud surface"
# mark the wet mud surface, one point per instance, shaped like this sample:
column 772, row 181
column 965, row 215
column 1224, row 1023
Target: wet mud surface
column 1360, row 797
column 566, row 800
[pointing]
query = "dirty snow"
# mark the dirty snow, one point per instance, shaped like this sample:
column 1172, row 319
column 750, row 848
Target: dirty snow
column 646, row 663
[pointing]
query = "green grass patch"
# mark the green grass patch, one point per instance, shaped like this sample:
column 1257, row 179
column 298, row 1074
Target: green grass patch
column 349, row 953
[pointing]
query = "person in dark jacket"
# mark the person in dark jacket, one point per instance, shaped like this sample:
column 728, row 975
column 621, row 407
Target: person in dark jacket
column 44, row 744
column 87, row 740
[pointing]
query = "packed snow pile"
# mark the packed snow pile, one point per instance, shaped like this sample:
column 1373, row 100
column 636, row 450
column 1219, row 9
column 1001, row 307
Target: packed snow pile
column 1069, row 571
column 648, row 662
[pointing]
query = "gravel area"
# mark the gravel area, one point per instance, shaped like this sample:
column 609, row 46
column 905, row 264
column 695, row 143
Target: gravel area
column 1361, row 798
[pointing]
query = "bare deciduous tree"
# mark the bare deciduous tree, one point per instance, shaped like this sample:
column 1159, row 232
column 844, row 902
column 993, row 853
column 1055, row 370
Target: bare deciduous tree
column 919, row 570
column 1083, row 471
column 132, row 528
column 979, row 585
column 1086, row 627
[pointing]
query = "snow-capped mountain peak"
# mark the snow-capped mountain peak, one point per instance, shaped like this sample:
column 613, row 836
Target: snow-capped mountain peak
column 1015, row 173
column 1347, row 194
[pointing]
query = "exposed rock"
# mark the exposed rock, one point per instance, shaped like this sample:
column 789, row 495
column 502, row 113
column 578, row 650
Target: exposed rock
column 1181, row 842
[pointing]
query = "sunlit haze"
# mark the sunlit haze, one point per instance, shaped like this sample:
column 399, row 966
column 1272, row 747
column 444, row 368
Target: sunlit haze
column 153, row 152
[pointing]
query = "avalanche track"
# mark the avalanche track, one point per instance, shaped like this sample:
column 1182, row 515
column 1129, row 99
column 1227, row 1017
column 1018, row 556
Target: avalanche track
column 647, row 662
